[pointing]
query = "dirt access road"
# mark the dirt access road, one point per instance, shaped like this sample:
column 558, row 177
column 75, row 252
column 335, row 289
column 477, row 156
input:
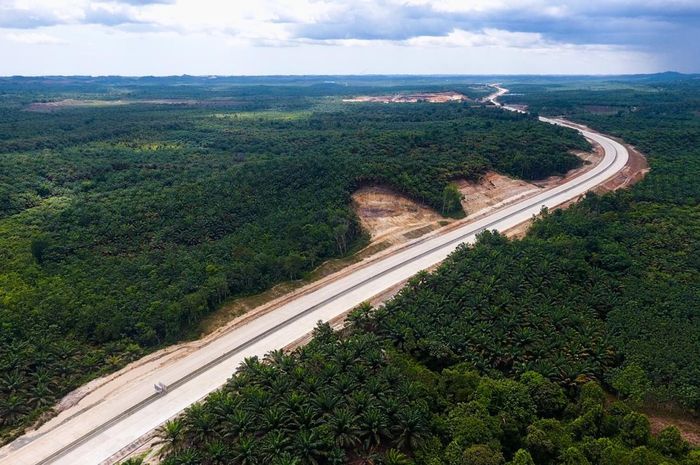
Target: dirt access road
column 101, row 430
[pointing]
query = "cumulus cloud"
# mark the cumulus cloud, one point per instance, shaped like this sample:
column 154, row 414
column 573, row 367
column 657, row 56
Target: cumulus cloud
column 572, row 21
column 668, row 28
column 28, row 14
column 578, row 22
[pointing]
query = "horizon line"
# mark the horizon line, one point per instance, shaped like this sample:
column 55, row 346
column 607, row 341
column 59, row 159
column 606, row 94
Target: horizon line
column 210, row 76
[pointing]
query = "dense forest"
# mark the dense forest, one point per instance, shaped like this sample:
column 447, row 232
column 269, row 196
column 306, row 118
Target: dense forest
column 651, row 233
column 123, row 221
column 357, row 398
column 502, row 354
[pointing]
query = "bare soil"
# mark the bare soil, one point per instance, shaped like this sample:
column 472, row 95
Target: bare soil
column 518, row 107
column 637, row 167
column 432, row 97
column 394, row 219
column 688, row 426
column 72, row 103
column 388, row 216
column 491, row 191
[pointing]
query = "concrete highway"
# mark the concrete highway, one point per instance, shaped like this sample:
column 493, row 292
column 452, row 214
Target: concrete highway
column 94, row 435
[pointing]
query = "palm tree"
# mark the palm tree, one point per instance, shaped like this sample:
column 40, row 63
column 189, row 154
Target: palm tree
column 12, row 409
column 294, row 401
column 326, row 401
column 199, row 422
column 336, row 457
column 306, row 418
column 285, row 458
column 274, row 444
column 395, row 457
column 237, row 423
column 360, row 400
column 411, row 430
column 258, row 399
column 244, row 452
column 217, row 453
column 373, row 426
column 374, row 386
column 12, row 382
column 368, row 456
column 41, row 396
column 222, row 411
column 171, row 436
column 273, row 418
column 223, row 402
column 249, row 366
column 343, row 425
column 309, row 446
column 184, row 457
column 42, row 376
column 280, row 360
column 312, row 384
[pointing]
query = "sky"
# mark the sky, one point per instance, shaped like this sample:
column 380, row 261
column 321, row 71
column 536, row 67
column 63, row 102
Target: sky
column 267, row 37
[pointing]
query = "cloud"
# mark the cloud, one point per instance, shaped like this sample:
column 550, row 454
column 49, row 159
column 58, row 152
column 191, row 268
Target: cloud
column 33, row 38
column 485, row 38
column 30, row 14
column 614, row 22
column 581, row 22
column 666, row 28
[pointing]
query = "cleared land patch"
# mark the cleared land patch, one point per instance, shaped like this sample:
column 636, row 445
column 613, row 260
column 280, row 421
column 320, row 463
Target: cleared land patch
column 387, row 215
column 391, row 217
column 432, row 97
column 491, row 190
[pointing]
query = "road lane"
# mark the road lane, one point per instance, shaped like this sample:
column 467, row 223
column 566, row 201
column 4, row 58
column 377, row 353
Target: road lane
column 96, row 434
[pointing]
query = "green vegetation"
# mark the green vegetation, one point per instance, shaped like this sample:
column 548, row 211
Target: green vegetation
column 499, row 356
column 122, row 226
column 356, row 398
column 642, row 245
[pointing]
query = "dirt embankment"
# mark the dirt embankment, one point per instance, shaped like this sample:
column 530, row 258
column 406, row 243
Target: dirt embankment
column 688, row 426
column 491, row 191
column 391, row 217
column 395, row 219
column 388, row 216
column 634, row 171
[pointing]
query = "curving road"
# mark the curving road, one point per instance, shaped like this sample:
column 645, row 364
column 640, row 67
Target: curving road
column 94, row 435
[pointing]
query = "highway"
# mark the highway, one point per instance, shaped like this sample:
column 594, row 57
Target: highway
column 94, row 435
